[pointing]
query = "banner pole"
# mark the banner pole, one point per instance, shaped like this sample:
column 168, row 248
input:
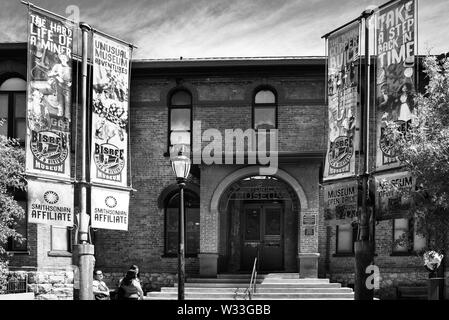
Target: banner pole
column 362, row 248
column 84, row 251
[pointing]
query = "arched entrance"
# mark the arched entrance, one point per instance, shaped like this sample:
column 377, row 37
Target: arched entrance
column 258, row 218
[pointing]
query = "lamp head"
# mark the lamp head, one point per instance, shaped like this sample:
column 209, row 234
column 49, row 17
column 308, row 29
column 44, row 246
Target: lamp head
column 181, row 165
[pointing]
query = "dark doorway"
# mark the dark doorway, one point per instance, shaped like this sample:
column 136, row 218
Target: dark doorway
column 262, row 226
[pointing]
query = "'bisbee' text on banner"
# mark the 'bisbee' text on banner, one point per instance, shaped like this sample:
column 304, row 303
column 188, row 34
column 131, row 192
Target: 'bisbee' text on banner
column 49, row 95
column 343, row 54
column 111, row 61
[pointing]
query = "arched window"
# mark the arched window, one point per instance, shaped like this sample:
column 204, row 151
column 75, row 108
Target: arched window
column 12, row 108
column 265, row 119
column 180, row 119
column 264, row 110
column 192, row 223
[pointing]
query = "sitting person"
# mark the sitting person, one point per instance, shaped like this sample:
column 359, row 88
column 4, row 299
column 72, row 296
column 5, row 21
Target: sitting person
column 130, row 288
column 99, row 287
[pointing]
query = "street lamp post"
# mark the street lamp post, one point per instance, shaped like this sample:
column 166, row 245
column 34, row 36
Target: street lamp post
column 181, row 168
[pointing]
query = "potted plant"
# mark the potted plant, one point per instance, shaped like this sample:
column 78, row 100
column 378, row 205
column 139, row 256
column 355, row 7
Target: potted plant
column 432, row 261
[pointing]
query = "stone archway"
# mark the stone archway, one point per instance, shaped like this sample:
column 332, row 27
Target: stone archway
column 209, row 247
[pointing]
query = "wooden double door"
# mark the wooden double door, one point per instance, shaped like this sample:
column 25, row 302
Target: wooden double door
column 262, row 236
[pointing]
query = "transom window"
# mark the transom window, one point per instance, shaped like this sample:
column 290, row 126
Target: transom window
column 192, row 224
column 12, row 108
column 265, row 116
column 180, row 119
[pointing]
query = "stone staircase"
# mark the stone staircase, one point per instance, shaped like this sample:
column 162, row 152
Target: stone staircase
column 272, row 286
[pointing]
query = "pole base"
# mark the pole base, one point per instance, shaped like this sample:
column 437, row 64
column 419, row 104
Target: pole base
column 83, row 257
column 363, row 258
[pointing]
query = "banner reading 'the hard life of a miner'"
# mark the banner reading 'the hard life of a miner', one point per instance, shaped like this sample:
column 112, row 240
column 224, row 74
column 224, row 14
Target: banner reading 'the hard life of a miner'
column 109, row 208
column 396, row 48
column 340, row 202
column 49, row 95
column 50, row 203
column 343, row 56
column 111, row 61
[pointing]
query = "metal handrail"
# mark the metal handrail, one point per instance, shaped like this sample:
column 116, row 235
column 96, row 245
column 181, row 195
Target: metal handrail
column 252, row 283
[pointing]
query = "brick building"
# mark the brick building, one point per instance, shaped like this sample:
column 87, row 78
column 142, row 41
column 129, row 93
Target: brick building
column 234, row 212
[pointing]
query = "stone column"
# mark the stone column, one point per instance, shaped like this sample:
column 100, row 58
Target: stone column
column 308, row 243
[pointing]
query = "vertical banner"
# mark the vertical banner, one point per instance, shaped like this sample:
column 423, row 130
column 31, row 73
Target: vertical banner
column 109, row 208
column 50, row 203
column 111, row 62
column 343, row 69
column 394, row 201
column 395, row 74
column 49, row 95
column 340, row 202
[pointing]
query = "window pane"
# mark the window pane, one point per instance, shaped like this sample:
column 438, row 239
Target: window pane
column 345, row 233
column 13, row 84
column 180, row 137
column 400, row 228
column 252, row 230
column 20, row 129
column 181, row 98
column 192, row 230
column 419, row 241
column 264, row 118
column 59, row 238
column 4, row 114
column 265, row 96
column 180, row 119
column 20, row 105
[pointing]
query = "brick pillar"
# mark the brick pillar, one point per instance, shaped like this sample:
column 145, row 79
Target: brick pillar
column 308, row 243
column 209, row 238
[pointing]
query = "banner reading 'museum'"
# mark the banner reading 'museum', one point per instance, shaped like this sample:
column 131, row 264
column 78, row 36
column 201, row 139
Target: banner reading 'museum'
column 340, row 202
column 50, row 203
column 109, row 209
column 111, row 60
column 395, row 74
column 394, row 194
column 343, row 53
column 49, row 95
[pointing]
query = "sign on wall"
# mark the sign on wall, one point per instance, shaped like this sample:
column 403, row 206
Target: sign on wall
column 397, row 200
column 340, row 202
column 50, row 203
column 49, row 95
column 396, row 48
column 109, row 208
column 111, row 62
column 343, row 56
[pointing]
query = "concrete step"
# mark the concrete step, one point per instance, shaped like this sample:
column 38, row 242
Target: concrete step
column 264, row 285
column 258, row 280
column 259, row 290
column 257, row 296
column 259, row 275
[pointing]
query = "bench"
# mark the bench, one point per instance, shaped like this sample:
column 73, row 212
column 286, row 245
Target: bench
column 411, row 293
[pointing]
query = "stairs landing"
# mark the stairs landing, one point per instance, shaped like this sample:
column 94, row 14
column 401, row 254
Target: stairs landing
column 272, row 286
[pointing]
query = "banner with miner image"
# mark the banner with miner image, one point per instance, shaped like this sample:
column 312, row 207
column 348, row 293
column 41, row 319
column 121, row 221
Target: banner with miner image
column 340, row 202
column 109, row 208
column 343, row 71
column 50, row 203
column 111, row 61
column 49, row 95
column 395, row 74
column 394, row 196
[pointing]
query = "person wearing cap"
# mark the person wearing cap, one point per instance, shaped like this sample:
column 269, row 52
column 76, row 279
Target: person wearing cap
column 99, row 287
column 61, row 80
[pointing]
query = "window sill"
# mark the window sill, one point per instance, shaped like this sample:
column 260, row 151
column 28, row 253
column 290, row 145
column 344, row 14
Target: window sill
column 342, row 255
column 59, row 254
column 403, row 254
column 18, row 252
column 168, row 255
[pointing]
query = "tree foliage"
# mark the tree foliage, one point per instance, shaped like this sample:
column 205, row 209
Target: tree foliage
column 12, row 168
column 423, row 148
